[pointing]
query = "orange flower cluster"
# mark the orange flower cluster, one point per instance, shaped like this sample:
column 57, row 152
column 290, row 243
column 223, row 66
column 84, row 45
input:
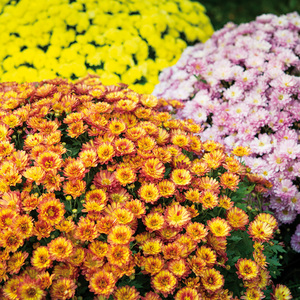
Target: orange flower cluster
column 100, row 185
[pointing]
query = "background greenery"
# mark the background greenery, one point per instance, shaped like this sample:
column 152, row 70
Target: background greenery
column 221, row 12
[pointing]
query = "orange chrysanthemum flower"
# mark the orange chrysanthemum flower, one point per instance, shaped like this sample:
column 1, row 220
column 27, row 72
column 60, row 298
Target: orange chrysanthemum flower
column 281, row 292
column 193, row 195
column 168, row 233
column 77, row 257
column 232, row 165
column 7, row 218
column 164, row 282
column 225, row 202
column 179, row 268
column 118, row 255
column 41, row 258
column 60, row 249
column 51, row 210
column 16, row 261
column 229, row 180
column 104, row 224
column 197, row 265
column 34, row 174
column 75, row 170
column 269, row 219
column 120, row 234
column 125, row 175
column 149, row 193
column 86, row 230
column 219, row 227
column 30, row 289
column 63, row 288
column 49, row 161
column 126, row 292
column 137, row 207
column 253, row 294
column 52, row 181
column 151, row 296
column 153, row 169
column 76, row 129
column 177, row 216
column 106, row 152
column 166, row 188
column 208, row 255
column 212, row 280
column 98, row 248
column 196, row 231
column 11, row 287
column 153, row 264
column 247, row 269
column 173, row 251
column 135, row 133
column 214, row 159
column 152, row 247
column 180, row 139
column 209, row 200
column 42, row 229
column 154, row 221
column 122, row 215
column 89, row 158
column 124, row 147
column 181, row 177
column 45, row 280
column 74, row 188
column 237, row 218
column 208, row 184
column 11, row 240
column 241, row 151
column 66, row 225
column 260, row 231
column 187, row 293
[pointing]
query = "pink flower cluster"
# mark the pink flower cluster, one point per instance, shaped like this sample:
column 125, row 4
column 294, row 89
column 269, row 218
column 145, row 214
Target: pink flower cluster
column 243, row 85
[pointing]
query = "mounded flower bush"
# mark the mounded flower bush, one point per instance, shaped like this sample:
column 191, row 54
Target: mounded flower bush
column 122, row 41
column 103, row 195
column 242, row 85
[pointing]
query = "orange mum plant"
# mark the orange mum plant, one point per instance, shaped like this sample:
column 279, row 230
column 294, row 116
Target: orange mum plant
column 103, row 195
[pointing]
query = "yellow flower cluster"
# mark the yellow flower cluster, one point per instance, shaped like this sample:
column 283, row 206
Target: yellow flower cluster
column 102, row 190
column 129, row 42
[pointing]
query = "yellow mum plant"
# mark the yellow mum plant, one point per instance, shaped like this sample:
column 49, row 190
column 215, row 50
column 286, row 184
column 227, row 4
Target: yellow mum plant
column 122, row 41
column 103, row 195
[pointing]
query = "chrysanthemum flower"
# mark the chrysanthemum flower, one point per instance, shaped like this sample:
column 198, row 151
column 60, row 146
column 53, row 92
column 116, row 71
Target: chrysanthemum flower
column 247, row 269
column 51, row 210
column 181, row 177
column 118, row 255
column 11, row 287
column 196, row 231
column 241, row 151
column 177, row 216
column 166, row 188
column 260, row 231
column 122, row 215
column 49, row 161
column 116, row 126
column 45, row 280
column 281, row 292
column 229, row 180
column 149, row 193
column 106, row 152
column 120, row 234
column 74, row 188
column 152, row 247
column 66, row 225
column 208, row 255
column 104, row 224
column 52, row 181
column 214, row 158
column 41, row 258
column 179, row 268
column 125, row 175
column 173, row 251
column 153, row 169
column 77, row 257
column 168, row 233
column 151, row 296
column 137, row 207
column 7, row 218
column 30, row 289
column 16, row 261
column 225, row 202
column 34, row 174
column 60, row 249
column 269, row 219
column 11, row 240
column 63, row 288
column 209, row 200
column 219, row 227
column 164, row 282
column 75, row 170
column 86, row 230
column 153, row 264
column 253, row 294
column 197, row 265
column 212, row 280
column 154, row 221
column 237, row 218
column 42, row 229
column 126, row 292
column 124, row 146
column 187, row 293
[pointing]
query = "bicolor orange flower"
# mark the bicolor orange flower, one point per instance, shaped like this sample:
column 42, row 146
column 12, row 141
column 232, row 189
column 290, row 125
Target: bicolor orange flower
column 241, row 151
column 180, row 139
column 41, row 258
column 237, row 218
column 219, row 227
column 125, row 175
column 247, row 269
column 193, row 195
column 75, row 170
column 208, row 184
column 232, row 165
column 120, row 234
column 260, row 231
column 152, row 247
column 197, row 231
column 63, row 288
column 208, row 255
column 225, row 202
column 74, row 188
column 77, row 257
column 88, row 157
column 66, row 225
column 16, row 261
column 154, row 221
column 197, row 265
column 51, row 210
column 126, row 292
column 20, row 160
column 164, row 282
column 104, row 224
column 52, row 181
column 187, row 293
column 146, row 144
column 214, row 159
column 135, row 133
column 49, row 161
column 168, row 233
column 166, row 188
column 30, row 289
column 34, row 174
column 209, row 200
column 45, row 280
column 60, row 249
column 122, row 215
column 98, row 248
column 76, row 129
column 181, row 161
column 153, row 264
column 269, row 219
column 153, row 169
column 42, row 229
column 173, row 251
column 151, row 296
column 177, row 216
column 281, row 292
column 86, row 230
column 137, row 207
column 179, row 268
column 11, row 240
column 7, row 218
column 212, row 280
column 106, row 152
column 118, row 255
column 124, row 147
column 181, row 177
column 11, row 287
column 229, row 180
column 149, row 193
